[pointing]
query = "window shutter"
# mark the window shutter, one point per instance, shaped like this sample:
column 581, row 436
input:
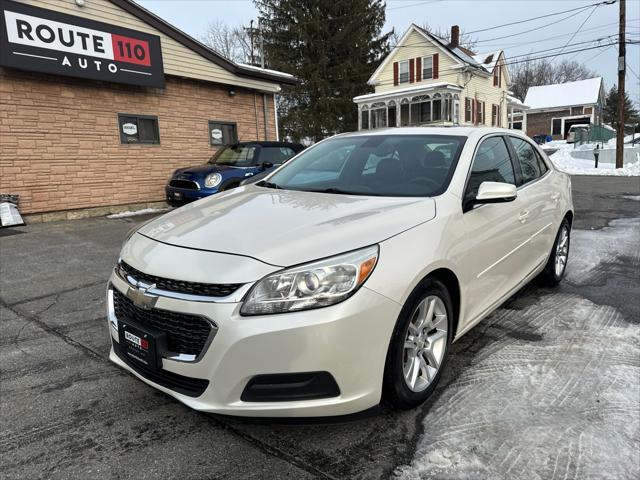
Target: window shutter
column 466, row 109
column 395, row 73
column 499, row 116
column 418, row 69
column 473, row 111
column 483, row 114
column 500, row 76
column 411, row 71
column 436, row 66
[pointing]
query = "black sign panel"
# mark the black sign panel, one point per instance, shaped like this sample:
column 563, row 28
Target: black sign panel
column 45, row 41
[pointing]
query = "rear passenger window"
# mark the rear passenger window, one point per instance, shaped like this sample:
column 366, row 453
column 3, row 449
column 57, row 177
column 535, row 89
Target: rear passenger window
column 531, row 164
column 491, row 164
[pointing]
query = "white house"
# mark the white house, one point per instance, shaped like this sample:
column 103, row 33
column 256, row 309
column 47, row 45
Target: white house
column 427, row 81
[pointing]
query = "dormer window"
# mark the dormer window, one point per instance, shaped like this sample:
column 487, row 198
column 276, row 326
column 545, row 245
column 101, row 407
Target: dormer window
column 427, row 67
column 403, row 68
column 497, row 80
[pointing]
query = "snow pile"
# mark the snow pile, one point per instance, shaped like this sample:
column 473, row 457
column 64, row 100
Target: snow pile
column 565, row 162
column 135, row 213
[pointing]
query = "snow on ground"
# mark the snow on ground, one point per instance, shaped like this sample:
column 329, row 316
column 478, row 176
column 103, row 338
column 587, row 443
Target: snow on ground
column 135, row 213
column 564, row 162
column 547, row 387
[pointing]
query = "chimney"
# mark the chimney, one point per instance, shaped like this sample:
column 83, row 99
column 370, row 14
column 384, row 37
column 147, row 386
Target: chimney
column 455, row 36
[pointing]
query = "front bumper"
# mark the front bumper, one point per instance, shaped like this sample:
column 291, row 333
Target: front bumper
column 181, row 196
column 349, row 340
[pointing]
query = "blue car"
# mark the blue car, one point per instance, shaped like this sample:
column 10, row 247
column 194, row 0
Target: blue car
column 227, row 168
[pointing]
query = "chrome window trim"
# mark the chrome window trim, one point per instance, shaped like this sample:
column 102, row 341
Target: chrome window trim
column 535, row 149
column 174, row 356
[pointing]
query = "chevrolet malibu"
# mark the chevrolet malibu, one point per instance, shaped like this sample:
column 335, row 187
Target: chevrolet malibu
column 342, row 278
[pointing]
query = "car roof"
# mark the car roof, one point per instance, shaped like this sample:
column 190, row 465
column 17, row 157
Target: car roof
column 455, row 131
column 261, row 143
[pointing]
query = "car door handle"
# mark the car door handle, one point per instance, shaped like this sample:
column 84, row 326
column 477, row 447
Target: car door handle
column 523, row 216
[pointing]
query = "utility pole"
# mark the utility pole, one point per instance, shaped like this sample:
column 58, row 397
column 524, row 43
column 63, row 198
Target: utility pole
column 621, row 74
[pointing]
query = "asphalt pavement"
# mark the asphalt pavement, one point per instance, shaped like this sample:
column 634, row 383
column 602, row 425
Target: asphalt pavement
column 547, row 387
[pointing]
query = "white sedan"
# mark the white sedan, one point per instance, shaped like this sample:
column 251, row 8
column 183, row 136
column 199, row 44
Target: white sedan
column 342, row 278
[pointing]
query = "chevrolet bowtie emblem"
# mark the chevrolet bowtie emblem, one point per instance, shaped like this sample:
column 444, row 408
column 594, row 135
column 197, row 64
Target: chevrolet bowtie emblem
column 140, row 296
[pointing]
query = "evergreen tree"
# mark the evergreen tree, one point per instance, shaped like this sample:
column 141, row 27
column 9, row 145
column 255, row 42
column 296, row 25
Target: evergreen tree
column 332, row 47
column 611, row 109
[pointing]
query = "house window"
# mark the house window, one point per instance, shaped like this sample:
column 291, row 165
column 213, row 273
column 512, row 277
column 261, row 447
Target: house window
column 517, row 125
column 468, row 113
column 587, row 110
column 420, row 110
column 391, row 114
column 479, row 112
column 364, row 122
column 556, row 126
column 437, row 107
column 427, row 68
column 456, row 112
column 404, row 113
column 494, row 115
column 448, row 114
column 497, row 77
column 404, row 71
column 222, row 133
column 138, row 129
column 378, row 115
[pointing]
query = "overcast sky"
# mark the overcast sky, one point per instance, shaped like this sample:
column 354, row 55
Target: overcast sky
column 193, row 17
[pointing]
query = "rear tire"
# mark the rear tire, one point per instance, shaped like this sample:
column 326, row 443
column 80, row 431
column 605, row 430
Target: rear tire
column 556, row 266
column 419, row 345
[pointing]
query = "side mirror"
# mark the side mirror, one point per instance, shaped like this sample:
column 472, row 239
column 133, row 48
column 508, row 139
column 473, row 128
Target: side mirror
column 495, row 192
column 492, row 192
column 266, row 165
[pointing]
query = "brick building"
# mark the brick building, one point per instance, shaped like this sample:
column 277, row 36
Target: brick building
column 100, row 101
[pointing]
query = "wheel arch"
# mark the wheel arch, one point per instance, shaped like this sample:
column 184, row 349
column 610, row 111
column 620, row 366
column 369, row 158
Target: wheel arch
column 451, row 282
column 569, row 217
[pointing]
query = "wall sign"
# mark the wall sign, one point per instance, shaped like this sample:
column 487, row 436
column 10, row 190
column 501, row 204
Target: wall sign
column 130, row 128
column 45, row 41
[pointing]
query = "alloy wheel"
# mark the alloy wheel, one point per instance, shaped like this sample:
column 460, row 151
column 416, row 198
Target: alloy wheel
column 562, row 251
column 425, row 343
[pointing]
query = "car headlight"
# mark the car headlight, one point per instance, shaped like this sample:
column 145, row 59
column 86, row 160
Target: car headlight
column 313, row 285
column 212, row 180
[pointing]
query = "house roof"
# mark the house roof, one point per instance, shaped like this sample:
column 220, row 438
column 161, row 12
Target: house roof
column 581, row 92
column 414, row 90
column 200, row 48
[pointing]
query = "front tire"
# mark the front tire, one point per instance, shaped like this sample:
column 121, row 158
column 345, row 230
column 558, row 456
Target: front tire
column 419, row 345
column 556, row 266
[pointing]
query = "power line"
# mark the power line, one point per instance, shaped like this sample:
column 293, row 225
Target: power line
column 608, row 2
column 581, row 25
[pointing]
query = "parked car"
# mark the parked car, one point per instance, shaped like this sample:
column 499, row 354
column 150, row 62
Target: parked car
column 575, row 131
column 226, row 169
column 343, row 277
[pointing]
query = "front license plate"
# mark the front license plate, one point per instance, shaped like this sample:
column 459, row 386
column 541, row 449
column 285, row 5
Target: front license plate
column 141, row 344
column 177, row 195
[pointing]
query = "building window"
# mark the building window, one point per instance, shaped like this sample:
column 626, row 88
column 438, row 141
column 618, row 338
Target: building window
column 378, row 115
column 427, row 68
column 494, row 115
column 517, row 125
column 138, row 129
column 456, row 112
column 437, row 107
column 588, row 110
column 420, row 110
column 391, row 113
column 556, row 126
column 479, row 112
column 364, row 122
column 404, row 71
column 222, row 133
column 468, row 112
column 404, row 113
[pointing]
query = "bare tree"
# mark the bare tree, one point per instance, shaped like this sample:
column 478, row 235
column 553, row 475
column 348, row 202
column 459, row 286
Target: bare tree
column 466, row 40
column 231, row 42
column 525, row 74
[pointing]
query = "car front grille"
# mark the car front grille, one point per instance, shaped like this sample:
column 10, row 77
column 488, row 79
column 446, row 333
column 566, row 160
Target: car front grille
column 179, row 286
column 184, row 184
column 187, row 334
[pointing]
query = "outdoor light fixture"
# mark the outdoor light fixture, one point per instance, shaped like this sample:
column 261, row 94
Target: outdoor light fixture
column 80, row 3
column 232, row 93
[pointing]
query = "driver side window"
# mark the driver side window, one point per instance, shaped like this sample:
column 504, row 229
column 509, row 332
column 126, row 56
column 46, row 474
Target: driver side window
column 491, row 163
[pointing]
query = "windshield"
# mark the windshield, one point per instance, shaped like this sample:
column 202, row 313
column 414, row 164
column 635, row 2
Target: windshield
column 390, row 165
column 235, row 156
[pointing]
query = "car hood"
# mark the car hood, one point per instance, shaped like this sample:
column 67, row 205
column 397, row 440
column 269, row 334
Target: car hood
column 285, row 227
column 202, row 169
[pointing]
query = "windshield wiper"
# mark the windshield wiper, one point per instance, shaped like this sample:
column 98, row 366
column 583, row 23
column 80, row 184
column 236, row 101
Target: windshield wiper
column 342, row 192
column 268, row 185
